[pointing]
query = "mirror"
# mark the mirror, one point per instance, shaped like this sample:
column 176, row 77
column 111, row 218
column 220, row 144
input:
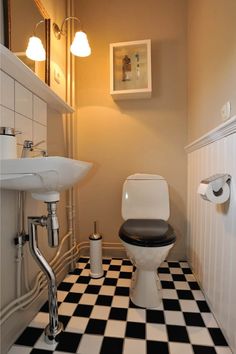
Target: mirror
column 21, row 19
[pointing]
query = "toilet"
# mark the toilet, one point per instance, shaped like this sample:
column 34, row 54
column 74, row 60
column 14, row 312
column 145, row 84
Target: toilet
column 145, row 234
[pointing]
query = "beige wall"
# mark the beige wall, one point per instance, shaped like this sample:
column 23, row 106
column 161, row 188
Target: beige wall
column 125, row 137
column 211, row 63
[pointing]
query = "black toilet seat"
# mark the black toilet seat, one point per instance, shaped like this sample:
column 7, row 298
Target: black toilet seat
column 147, row 232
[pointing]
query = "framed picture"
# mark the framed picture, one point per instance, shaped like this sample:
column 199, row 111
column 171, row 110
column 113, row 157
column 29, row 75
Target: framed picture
column 130, row 69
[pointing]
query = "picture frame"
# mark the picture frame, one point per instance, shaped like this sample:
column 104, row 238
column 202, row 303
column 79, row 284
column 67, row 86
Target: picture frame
column 130, row 70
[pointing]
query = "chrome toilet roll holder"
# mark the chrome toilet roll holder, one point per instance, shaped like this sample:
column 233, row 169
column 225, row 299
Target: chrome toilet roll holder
column 217, row 182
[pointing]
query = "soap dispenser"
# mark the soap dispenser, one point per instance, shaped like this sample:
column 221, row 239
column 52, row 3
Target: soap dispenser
column 7, row 143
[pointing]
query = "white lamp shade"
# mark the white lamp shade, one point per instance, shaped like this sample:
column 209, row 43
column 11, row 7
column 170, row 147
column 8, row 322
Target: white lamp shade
column 80, row 45
column 35, row 50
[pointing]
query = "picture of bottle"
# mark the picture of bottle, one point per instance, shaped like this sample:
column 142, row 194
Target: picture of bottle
column 126, row 68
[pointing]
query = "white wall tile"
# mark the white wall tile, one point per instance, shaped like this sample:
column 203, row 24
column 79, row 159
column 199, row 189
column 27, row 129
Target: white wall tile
column 6, row 117
column 23, row 100
column 7, row 90
column 39, row 134
column 39, row 110
column 25, row 126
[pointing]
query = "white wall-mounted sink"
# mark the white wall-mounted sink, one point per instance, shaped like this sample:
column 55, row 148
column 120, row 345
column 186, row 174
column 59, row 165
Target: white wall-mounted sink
column 44, row 177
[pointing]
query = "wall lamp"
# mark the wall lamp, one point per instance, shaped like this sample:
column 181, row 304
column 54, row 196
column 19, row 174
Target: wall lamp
column 35, row 50
column 80, row 45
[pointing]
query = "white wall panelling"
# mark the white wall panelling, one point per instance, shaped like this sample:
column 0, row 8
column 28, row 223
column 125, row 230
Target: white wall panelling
column 211, row 245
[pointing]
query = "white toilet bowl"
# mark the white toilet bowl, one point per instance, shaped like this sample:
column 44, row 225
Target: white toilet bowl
column 147, row 240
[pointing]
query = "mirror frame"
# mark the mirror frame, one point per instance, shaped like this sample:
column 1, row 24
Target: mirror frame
column 8, row 34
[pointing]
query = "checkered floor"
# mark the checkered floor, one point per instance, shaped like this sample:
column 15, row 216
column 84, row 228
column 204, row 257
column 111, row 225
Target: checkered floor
column 99, row 318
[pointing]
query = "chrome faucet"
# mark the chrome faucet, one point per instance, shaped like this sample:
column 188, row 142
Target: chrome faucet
column 29, row 146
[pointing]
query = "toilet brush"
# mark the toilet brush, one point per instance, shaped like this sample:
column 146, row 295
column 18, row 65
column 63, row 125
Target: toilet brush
column 95, row 240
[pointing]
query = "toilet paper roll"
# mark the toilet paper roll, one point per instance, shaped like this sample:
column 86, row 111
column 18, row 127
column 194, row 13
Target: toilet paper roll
column 7, row 147
column 207, row 193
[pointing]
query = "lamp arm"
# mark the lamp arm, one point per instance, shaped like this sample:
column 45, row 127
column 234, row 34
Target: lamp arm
column 36, row 26
column 67, row 19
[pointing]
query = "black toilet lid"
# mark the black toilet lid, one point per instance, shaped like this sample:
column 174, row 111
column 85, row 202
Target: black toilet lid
column 147, row 232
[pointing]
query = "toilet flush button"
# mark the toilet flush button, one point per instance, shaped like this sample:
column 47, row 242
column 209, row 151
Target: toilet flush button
column 225, row 111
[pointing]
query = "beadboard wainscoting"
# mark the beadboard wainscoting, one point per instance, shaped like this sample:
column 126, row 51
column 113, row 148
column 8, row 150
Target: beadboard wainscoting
column 211, row 240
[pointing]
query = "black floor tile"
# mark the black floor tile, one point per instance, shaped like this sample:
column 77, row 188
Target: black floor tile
column 30, row 336
column 96, row 326
column 126, row 262
column 114, row 267
column 174, row 264
column 64, row 320
column 83, row 279
column 185, row 294
column 155, row 316
column 167, row 284
column 154, row 347
column 203, row 349
column 193, row 319
column 64, row 286
column 104, row 300
column 106, row 261
column 171, row 305
column 203, row 307
column 178, row 277
column 217, row 336
column 73, row 297
column 110, row 281
column 193, row 285
column 163, row 270
column 135, row 330
column 125, row 275
column 122, row 291
column 112, row 345
column 83, row 310
column 41, row 351
column 186, row 270
column 83, row 260
column 177, row 334
column 69, row 342
column 118, row 313
column 92, row 289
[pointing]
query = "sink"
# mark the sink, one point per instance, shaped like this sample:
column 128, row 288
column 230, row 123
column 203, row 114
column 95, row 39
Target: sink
column 44, row 177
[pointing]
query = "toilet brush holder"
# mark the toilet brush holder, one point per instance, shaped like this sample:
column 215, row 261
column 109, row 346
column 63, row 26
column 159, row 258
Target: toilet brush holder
column 95, row 240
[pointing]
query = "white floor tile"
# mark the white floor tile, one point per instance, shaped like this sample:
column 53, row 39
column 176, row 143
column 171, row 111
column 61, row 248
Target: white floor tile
column 126, row 268
column 190, row 277
column 136, row 315
column 61, row 295
column 174, row 318
column 100, row 312
column 209, row 320
column 90, row 344
column 85, row 272
column 112, row 274
column 116, row 261
column 176, row 271
column 189, row 306
column 134, row 346
column 107, row 290
column 70, row 278
column 169, row 294
column 88, row 299
column 67, row 308
column 98, row 281
column 120, row 301
column 198, row 295
column 41, row 344
column 223, row 350
column 166, row 277
column 124, row 282
column 78, row 288
column 156, row 331
column 181, row 285
column 41, row 320
column 77, row 324
column 200, row 336
column 180, row 348
column 18, row 349
column 115, row 328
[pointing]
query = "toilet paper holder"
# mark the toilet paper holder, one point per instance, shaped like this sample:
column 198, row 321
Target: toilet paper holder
column 217, row 182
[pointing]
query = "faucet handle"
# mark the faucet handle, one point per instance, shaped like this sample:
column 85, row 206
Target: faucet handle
column 39, row 143
column 28, row 144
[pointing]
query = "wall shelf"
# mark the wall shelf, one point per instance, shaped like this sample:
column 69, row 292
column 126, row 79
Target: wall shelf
column 20, row 72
